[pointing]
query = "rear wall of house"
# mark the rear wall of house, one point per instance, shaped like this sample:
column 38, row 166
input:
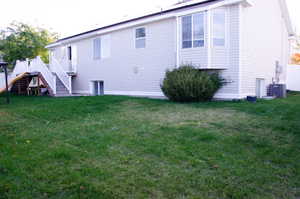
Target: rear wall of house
column 128, row 70
column 265, row 41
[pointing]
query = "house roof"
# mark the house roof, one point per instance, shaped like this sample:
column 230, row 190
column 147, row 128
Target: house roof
column 183, row 5
column 175, row 7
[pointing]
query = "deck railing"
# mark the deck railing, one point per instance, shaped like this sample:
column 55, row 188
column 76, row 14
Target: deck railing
column 61, row 74
column 20, row 67
column 37, row 65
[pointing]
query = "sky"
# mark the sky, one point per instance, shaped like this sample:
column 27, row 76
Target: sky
column 69, row 17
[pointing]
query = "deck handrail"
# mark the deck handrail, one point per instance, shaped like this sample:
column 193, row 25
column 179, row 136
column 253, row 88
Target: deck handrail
column 20, row 67
column 37, row 65
column 61, row 73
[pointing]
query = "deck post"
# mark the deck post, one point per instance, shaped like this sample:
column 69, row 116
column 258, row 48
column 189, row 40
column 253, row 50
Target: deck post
column 70, row 84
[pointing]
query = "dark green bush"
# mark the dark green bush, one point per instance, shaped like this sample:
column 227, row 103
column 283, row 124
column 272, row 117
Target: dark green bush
column 188, row 84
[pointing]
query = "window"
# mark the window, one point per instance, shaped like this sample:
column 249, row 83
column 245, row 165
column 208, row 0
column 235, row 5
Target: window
column 219, row 28
column 97, row 48
column 193, row 31
column 140, row 38
column 102, row 47
column 69, row 50
column 198, row 30
column 105, row 47
column 97, row 88
column 187, row 32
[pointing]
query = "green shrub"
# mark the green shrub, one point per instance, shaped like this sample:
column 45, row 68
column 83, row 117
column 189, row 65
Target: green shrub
column 188, row 84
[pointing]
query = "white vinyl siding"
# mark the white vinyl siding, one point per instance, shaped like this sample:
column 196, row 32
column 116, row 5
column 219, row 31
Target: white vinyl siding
column 140, row 38
column 129, row 70
column 264, row 41
column 229, row 57
column 105, row 47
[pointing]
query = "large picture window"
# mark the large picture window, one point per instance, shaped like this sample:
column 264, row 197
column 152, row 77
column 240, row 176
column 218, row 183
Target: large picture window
column 219, row 27
column 193, row 31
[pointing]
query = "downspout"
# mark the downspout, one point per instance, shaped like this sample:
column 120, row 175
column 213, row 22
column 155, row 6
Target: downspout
column 177, row 41
column 209, row 37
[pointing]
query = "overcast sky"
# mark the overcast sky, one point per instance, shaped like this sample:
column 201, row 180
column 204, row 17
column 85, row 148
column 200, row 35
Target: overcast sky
column 68, row 17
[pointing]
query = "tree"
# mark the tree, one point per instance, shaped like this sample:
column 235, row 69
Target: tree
column 20, row 41
column 296, row 58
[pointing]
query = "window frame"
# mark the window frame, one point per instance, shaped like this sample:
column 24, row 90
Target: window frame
column 204, row 15
column 224, row 9
column 135, row 38
column 69, row 53
column 94, row 57
column 105, row 49
column 101, row 53
column 192, row 35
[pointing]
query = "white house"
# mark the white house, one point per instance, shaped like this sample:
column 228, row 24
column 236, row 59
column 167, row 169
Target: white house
column 246, row 40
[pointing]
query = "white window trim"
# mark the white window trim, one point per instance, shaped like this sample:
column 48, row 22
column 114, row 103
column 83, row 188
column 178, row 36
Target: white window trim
column 134, row 37
column 102, row 46
column 101, row 43
column 226, row 42
column 204, row 25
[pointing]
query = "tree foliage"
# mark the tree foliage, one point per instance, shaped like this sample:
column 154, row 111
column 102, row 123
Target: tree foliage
column 20, row 41
column 295, row 58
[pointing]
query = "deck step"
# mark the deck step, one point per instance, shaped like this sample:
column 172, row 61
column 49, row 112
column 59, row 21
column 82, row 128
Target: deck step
column 61, row 89
column 63, row 95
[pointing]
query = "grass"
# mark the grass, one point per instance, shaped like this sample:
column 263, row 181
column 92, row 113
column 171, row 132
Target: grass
column 122, row 147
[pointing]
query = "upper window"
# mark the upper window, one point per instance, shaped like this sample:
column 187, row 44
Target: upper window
column 69, row 51
column 140, row 38
column 97, row 48
column 193, row 31
column 219, row 27
column 102, row 47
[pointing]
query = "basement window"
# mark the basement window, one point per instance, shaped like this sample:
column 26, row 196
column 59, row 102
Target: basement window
column 97, row 88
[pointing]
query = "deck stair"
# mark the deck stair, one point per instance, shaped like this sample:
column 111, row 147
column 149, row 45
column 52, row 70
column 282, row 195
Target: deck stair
column 61, row 90
column 58, row 82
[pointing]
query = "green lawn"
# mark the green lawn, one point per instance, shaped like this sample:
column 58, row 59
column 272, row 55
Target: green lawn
column 122, row 147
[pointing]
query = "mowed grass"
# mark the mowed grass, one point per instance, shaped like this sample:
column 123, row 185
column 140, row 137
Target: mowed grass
column 122, row 147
